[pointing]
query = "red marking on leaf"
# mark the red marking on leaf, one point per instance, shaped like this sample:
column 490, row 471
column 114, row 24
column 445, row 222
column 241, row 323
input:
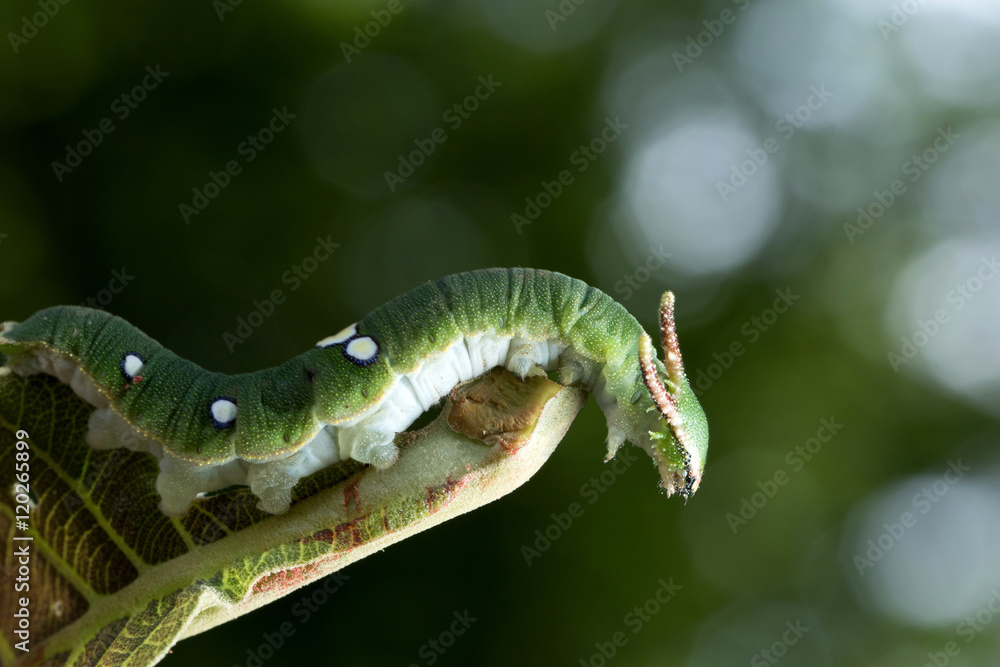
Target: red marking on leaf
column 351, row 493
column 350, row 535
column 438, row 497
column 345, row 535
column 286, row 579
column 325, row 535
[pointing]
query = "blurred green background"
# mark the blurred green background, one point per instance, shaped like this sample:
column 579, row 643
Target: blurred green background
column 816, row 181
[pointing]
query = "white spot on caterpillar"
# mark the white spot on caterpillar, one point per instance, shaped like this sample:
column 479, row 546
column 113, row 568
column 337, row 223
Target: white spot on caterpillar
column 132, row 364
column 362, row 350
column 223, row 412
column 342, row 336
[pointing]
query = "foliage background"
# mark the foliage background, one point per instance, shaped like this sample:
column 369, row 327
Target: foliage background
column 896, row 74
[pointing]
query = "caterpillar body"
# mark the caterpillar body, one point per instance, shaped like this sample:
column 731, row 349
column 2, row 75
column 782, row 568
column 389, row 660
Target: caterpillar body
column 354, row 391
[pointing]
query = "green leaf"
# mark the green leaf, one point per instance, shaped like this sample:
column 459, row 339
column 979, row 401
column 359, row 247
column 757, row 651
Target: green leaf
column 115, row 582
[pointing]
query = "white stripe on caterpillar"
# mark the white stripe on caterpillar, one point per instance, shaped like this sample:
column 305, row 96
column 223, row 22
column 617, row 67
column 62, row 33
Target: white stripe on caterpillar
column 368, row 438
column 341, row 336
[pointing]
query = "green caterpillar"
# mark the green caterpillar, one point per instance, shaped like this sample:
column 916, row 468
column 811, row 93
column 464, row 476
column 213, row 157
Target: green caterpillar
column 354, row 391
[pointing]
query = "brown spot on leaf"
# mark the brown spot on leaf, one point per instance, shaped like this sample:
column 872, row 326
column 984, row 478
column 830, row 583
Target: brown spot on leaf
column 500, row 409
column 325, row 535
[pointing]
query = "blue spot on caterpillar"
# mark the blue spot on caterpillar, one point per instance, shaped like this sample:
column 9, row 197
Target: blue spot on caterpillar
column 350, row 394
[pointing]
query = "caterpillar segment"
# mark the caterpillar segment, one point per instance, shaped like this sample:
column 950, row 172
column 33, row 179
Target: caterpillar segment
column 350, row 394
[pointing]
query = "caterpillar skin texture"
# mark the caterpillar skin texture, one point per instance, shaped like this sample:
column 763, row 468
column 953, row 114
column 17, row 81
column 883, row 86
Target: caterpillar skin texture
column 354, row 391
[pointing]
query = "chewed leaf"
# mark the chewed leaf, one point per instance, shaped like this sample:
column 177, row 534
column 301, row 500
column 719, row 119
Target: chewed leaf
column 116, row 582
column 498, row 411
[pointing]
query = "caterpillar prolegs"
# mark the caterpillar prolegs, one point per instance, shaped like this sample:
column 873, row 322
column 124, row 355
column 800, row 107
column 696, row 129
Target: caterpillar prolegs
column 354, row 391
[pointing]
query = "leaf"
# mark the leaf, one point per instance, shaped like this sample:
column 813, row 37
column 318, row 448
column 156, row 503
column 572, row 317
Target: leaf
column 113, row 581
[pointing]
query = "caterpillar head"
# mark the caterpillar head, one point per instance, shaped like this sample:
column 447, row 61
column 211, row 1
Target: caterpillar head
column 680, row 444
